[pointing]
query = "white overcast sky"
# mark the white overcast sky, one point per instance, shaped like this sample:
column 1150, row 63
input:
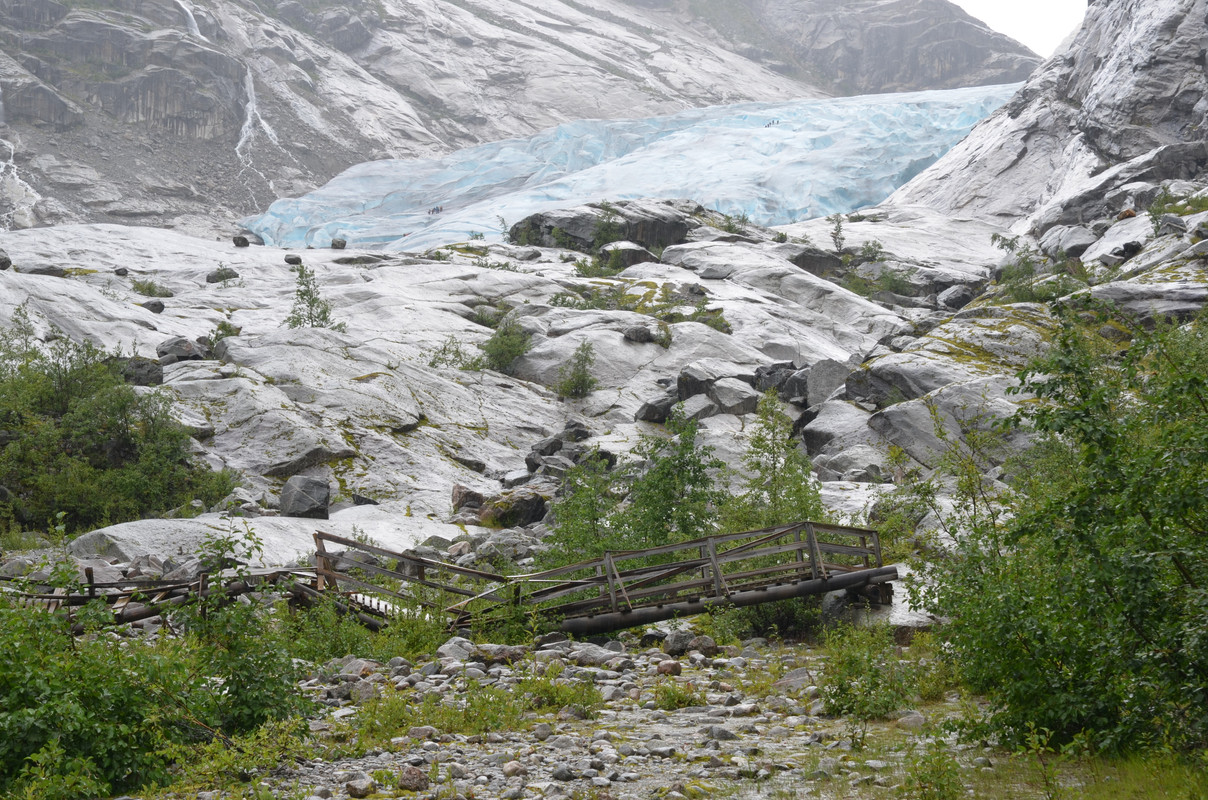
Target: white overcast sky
column 1040, row 24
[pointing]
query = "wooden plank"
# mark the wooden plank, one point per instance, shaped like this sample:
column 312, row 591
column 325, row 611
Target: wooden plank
column 353, row 544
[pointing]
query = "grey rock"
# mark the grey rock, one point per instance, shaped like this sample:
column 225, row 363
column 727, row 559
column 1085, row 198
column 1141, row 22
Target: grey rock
column 48, row 270
column 154, row 306
column 639, row 334
column 677, row 642
column 293, row 259
column 562, row 772
column 956, row 297
column 306, row 497
column 178, row 348
column 221, row 274
column 657, row 410
column 733, row 396
column 825, row 377
column 361, row 786
column 338, row 243
column 699, row 407
column 240, row 241
column 5, row 261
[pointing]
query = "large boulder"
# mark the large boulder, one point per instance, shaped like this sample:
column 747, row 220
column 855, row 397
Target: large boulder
column 646, row 223
column 307, row 497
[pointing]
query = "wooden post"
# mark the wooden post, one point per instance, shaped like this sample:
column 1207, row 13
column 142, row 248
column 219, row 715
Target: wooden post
column 818, row 568
column 719, row 586
column 321, row 563
column 797, row 555
column 609, row 569
column 91, row 582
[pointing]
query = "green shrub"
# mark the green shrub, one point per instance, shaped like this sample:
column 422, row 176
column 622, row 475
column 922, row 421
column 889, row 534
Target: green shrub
column 1081, row 611
column 476, row 710
column 452, row 354
column 932, row 775
column 575, row 378
column 149, row 288
column 670, row 695
column 310, row 309
column 608, row 227
column 508, row 343
column 549, row 692
column 863, row 677
column 80, row 714
column 79, row 441
column 872, row 250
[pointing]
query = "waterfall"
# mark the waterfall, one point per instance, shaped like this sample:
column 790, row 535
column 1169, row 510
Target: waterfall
column 191, row 21
column 17, row 198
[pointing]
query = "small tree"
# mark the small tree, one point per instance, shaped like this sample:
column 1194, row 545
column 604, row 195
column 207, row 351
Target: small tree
column 675, row 498
column 310, row 309
column 780, row 486
column 836, row 221
column 574, row 377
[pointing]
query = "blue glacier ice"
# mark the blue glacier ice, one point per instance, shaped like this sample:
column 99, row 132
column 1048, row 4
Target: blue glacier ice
column 775, row 162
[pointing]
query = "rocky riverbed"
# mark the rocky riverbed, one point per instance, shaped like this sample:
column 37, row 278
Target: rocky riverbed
column 677, row 718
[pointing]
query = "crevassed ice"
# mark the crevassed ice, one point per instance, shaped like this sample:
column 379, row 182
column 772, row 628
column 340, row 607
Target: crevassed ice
column 775, row 162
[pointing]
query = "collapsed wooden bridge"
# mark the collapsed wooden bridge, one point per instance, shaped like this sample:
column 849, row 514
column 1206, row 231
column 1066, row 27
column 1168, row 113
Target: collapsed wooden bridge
column 619, row 589
column 615, row 591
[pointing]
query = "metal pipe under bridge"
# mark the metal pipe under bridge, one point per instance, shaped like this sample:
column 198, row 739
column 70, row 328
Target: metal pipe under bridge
column 617, row 590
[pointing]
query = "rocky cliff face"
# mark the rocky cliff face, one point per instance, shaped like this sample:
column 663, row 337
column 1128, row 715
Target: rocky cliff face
column 174, row 112
column 1123, row 102
column 890, row 45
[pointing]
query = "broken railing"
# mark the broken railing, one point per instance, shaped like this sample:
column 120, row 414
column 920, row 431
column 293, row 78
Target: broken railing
column 618, row 589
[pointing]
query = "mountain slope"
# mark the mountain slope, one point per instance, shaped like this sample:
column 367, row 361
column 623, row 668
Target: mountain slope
column 1112, row 108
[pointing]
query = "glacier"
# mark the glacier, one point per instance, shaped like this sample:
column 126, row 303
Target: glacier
column 777, row 163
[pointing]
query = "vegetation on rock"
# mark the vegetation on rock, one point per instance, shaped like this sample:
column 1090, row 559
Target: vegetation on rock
column 78, row 442
column 310, row 309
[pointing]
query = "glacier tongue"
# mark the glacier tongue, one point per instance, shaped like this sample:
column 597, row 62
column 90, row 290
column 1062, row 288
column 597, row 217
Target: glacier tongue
column 774, row 162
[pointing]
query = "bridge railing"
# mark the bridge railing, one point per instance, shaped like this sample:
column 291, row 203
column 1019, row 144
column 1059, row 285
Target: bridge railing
column 776, row 562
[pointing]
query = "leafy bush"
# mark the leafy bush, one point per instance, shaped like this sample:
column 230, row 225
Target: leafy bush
column 872, row 250
column 1084, row 611
column 550, row 692
column 575, row 378
column 452, row 354
column 76, row 715
column 476, row 710
column 670, row 695
column 608, row 228
column 836, row 234
column 310, row 309
column 863, row 677
column 508, row 343
column 933, row 775
column 670, row 493
column 77, row 440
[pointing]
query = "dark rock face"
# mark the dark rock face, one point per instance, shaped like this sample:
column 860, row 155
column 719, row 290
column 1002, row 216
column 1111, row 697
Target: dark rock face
column 645, row 223
column 305, row 497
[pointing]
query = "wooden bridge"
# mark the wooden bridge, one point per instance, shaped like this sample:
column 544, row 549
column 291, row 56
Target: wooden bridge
column 619, row 589
column 615, row 591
